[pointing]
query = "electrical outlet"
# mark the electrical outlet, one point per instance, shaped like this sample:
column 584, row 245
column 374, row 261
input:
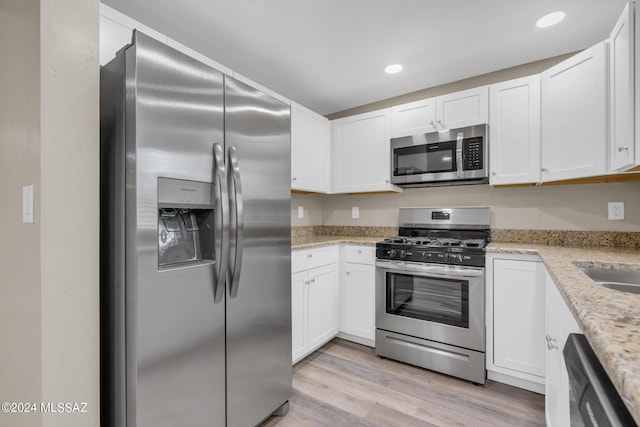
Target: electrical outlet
column 300, row 211
column 355, row 212
column 616, row 210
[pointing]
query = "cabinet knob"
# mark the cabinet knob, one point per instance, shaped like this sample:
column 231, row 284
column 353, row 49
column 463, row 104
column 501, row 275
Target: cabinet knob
column 359, row 251
column 309, row 255
column 621, row 148
column 493, row 174
column 386, row 181
column 293, row 178
column 312, row 280
column 439, row 121
column 431, row 123
column 545, row 170
column 348, row 273
column 551, row 342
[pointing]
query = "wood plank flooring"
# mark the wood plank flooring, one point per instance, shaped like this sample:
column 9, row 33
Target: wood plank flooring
column 345, row 384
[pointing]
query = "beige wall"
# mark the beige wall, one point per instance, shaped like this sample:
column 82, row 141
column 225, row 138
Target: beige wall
column 49, row 283
column 20, row 335
column 557, row 207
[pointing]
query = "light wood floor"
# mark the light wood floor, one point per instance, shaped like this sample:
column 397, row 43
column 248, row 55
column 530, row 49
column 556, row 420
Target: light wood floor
column 345, row 384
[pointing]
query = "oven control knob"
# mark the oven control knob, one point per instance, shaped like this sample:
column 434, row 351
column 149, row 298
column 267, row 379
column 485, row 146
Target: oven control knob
column 392, row 252
column 403, row 254
column 457, row 258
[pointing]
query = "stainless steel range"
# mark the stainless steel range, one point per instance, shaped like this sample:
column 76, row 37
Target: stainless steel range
column 430, row 287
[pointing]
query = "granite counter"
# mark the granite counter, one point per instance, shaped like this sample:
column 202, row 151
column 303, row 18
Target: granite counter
column 610, row 319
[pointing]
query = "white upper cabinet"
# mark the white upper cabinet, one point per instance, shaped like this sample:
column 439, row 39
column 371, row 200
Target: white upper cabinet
column 361, row 153
column 413, row 118
column 622, row 151
column 574, row 116
column 465, row 108
column 309, row 150
column 514, row 131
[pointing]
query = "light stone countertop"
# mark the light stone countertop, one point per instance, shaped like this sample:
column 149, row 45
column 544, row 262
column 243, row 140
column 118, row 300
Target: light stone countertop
column 315, row 241
column 610, row 319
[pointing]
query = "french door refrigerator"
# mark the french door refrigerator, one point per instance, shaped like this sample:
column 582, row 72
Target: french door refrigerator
column 195, row 244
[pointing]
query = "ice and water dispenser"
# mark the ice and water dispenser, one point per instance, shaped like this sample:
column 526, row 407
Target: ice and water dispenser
column 186, row 214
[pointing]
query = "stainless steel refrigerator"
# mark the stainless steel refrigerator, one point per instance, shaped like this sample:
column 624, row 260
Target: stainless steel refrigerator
column 195, row 244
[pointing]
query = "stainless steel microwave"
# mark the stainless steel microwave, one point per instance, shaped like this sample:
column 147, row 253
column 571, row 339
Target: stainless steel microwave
column 451, row 157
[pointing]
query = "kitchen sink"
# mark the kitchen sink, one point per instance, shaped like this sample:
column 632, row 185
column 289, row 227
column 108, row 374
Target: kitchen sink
column 620, row 280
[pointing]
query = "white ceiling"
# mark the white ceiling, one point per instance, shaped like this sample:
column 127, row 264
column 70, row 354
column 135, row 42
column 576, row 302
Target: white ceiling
column 329, row 55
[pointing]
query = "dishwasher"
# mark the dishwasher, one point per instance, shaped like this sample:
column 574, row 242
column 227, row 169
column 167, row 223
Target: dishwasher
column 594, row 400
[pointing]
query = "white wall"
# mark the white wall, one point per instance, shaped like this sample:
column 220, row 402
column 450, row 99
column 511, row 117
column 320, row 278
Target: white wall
column 69, row 75
column 557, row 207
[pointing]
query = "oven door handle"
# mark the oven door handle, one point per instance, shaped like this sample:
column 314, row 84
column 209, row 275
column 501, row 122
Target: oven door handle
column 429, row 269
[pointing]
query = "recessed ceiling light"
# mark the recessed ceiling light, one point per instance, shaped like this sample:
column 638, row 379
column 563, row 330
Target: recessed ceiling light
column 550, row 19
column 392, row 69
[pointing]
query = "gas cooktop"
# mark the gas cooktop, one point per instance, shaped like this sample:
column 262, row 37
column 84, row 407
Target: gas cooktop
column 439, row 235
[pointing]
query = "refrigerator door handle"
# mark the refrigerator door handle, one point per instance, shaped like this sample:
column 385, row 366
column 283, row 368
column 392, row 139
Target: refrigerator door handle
column 222, row 228
column 237, row 209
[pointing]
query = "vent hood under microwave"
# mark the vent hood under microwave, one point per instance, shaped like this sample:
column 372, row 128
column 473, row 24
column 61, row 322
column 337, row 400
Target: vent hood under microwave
column 452, row 157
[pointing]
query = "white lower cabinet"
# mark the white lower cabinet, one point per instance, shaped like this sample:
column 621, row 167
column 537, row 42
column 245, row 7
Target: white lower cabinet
column 357, row 302
column 299, row 318
column 323, row 305
column 515, row 320
column 314, row 299
column 559, row 324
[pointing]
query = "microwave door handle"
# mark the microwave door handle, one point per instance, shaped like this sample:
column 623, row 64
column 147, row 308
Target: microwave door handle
column 459, row 154
column 237, row 210
column 222, row 226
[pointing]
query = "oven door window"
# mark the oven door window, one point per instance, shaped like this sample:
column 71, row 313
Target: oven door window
column 433, row 299
column 426, row 158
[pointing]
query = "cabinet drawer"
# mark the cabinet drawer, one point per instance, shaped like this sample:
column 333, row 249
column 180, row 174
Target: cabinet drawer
column 305, row 259
column 361, row 254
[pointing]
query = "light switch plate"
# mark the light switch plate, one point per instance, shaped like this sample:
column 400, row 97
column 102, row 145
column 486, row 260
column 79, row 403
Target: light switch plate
column 616, row 210
column 355, row 212
column 27, row 204
column 300, row 211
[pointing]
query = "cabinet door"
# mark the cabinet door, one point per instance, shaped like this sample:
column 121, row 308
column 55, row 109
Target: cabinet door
column 413, row 118
column 574, row 116
column 465, row 108
column 621, row 87
column 323, row 305
column 518, row 315
column 514, row 120
column 309, row 150
column 299, row 320
column 362, row 153
column 559, row 324
column 556, row 413
column 360, row 300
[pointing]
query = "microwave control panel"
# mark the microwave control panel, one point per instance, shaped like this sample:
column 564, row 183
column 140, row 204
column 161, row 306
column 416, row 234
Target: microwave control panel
column 473, row 154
